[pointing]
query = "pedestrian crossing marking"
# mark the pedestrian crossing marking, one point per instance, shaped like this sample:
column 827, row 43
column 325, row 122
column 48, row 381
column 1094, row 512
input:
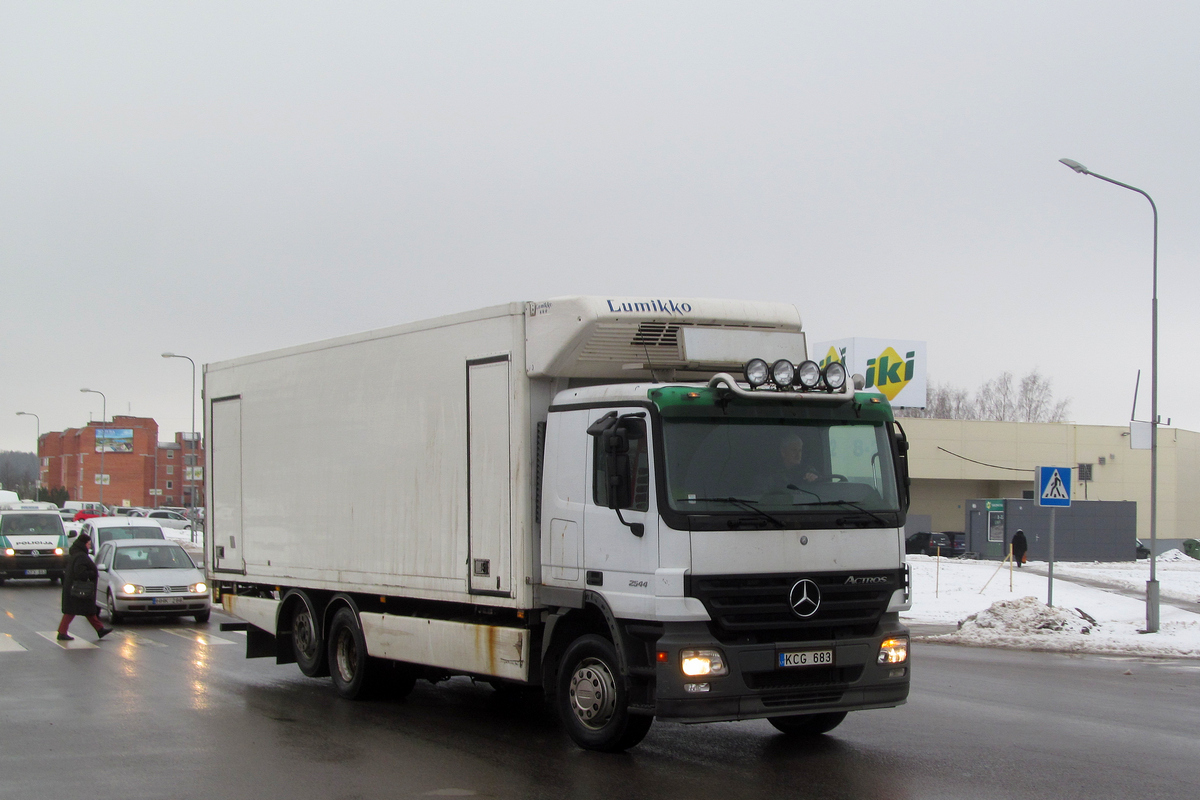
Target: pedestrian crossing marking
column 1055, row 489
column 9, row 645
column 136, row 638
column 206, row 639
column 74, row 644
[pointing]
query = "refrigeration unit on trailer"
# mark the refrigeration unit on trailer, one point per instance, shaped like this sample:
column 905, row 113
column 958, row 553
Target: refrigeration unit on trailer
column 649, row 508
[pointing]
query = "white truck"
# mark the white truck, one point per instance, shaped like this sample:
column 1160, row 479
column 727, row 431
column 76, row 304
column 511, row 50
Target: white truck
column 576, row 495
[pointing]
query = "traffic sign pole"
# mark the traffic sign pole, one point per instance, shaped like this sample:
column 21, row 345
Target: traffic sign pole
column 1053, row 492
column 1050, row 574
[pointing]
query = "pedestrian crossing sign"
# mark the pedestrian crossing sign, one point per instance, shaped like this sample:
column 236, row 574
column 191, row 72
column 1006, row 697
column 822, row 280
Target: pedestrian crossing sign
column 1054, row 487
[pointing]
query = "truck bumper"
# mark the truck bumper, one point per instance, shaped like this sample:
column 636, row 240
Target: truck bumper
column 755, row 687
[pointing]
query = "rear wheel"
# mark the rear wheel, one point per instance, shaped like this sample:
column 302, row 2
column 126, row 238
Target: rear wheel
column 114, row 616
column 307, row 645
column 592, row 700
column 348, row 660
column 808, row 724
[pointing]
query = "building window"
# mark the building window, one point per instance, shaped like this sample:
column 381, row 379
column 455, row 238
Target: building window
column 170, row 469
column 170, row 454
column 170, row 484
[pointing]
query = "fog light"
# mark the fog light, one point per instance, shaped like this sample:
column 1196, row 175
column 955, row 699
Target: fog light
column 835, row 375
column 783, row 373
column 897, row 673
column 893, row 651
column 702, row 662
column 696, row 687
column 756, row 372
column 808, row 375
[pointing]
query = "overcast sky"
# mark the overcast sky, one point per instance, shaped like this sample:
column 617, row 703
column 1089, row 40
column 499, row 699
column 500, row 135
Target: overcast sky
column 219, row 179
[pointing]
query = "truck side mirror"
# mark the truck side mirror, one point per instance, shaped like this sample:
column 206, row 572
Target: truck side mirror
column 620, row 477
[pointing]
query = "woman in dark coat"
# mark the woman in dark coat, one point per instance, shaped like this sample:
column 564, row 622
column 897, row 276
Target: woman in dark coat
column 1019, row 546
column 80, row 569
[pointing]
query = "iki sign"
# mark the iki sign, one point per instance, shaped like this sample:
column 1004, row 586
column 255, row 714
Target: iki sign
column 893, row 367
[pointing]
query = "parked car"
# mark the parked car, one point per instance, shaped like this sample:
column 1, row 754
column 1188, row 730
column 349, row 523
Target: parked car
column 149, row 576
column 168, row 519
column 931, row 543
column 1142, row 550
column 106, row 529
column 126, row 511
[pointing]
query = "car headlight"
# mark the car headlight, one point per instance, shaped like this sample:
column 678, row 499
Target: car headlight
column 58, row 551
column 8, row 551
column 702, row 662
column 198, row 588
column 893, row 651
column 133, row 588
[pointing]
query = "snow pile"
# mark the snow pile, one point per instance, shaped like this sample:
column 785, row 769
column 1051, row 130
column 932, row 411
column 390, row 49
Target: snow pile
column 1174, row 555
column 1106, row 615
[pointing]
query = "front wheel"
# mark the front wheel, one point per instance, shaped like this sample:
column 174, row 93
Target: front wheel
column 592, row 699
column 203, row 616
column 113, row 615
column 808, row 724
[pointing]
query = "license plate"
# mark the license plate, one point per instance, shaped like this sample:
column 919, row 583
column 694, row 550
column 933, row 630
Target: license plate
column 35, row 572
column 806, row 658
column 165, row 601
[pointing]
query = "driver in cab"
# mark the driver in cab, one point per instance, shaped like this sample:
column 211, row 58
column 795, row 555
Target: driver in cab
column 792, row 471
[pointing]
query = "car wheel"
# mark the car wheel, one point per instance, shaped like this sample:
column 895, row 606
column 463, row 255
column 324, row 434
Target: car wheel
column 592, row 701
column 113, row 615
column 307, row 645
column 203, row 616
column 808, row 724
column 348, row 660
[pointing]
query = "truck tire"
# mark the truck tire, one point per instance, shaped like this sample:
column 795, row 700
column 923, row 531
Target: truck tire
column 349, row 664
column 307, row 645
column 808, row 724
column 592, row 700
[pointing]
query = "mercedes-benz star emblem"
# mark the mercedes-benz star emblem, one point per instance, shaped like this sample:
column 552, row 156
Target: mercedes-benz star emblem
column 805, row 598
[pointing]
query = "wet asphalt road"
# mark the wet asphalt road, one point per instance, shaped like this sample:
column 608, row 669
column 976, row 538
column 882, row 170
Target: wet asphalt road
column 171, row 709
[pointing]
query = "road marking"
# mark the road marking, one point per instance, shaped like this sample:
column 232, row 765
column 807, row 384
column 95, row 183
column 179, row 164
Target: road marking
column 196, row 636
column 138, row 639
column 74, row 644
column 9, row 645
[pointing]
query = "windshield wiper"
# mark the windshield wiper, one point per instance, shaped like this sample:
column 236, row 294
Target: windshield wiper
column 850, row 504
column 743, row 503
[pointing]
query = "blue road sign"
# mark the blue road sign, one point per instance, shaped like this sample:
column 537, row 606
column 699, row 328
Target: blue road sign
column 1054, row 487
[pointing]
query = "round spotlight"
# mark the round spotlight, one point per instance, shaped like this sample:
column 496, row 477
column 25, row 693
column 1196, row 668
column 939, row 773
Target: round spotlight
column 809, row 375
column 783, row 373
column 757, row 372
column 835, row 376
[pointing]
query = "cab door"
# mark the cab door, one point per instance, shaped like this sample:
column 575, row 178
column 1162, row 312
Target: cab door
column 621, row 550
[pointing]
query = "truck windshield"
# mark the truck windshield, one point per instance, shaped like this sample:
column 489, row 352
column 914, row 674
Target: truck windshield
column 779, row 467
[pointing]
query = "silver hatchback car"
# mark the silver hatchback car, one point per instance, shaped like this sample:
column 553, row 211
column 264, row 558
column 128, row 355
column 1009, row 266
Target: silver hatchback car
column 150, row 576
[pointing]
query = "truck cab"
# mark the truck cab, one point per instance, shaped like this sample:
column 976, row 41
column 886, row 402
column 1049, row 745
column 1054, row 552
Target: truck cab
column 748, row 545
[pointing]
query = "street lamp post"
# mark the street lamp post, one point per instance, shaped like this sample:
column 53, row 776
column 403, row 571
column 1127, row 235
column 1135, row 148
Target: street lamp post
column 191, row 473
column 104, row 444
column 1152, row 602
column 37, row 482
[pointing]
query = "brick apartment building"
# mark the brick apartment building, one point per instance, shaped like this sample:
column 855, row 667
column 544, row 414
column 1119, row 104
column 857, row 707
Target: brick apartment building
column 139, row 470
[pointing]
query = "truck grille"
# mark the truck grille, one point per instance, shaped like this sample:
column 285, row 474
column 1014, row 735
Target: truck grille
column 757, row 609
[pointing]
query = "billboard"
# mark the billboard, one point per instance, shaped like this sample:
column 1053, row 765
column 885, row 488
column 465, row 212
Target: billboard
column 896, row 368
column 114, row 440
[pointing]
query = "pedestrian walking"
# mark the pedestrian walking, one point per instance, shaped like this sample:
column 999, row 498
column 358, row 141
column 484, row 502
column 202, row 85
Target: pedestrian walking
column 79, row 590
column 1019, row 546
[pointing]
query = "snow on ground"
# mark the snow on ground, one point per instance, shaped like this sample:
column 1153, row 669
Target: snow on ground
column 1085, row 619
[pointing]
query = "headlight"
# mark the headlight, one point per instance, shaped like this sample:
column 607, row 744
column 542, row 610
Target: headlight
column 809, row 374
column 198, row 588
column 132, row 588
column 835, row 375
column 8, row 551
column 58, row 551
column 783, row 373
column 756, row 372
column 702, row 662
column 893, row 651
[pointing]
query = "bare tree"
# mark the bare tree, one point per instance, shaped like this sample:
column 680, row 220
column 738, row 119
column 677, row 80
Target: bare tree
column 998, row 399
